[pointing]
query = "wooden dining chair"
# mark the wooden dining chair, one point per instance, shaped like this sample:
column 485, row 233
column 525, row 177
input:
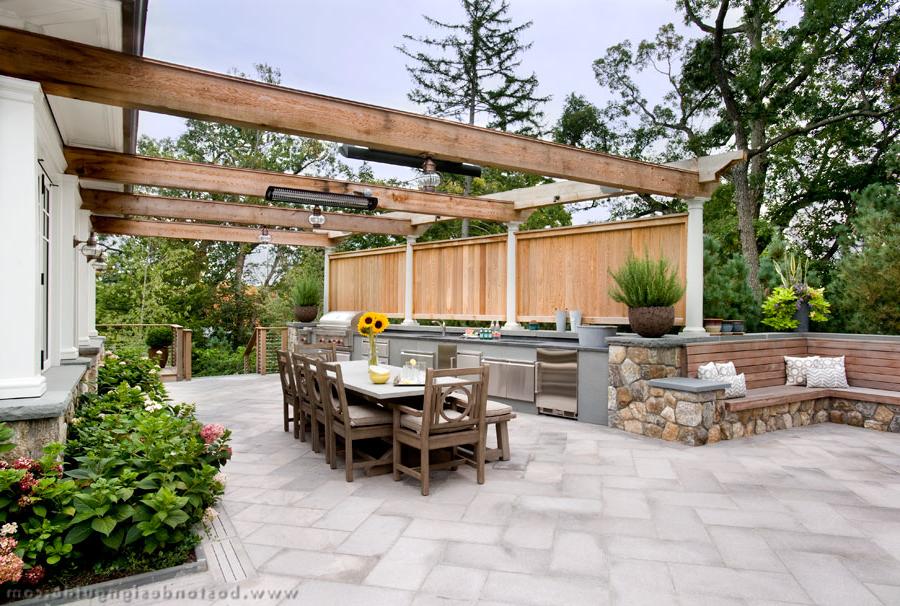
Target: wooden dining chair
column 319, row 351
column 305, row 412
column 318, row 420
column 445, row 422
column 289, row 393
column 353, row 422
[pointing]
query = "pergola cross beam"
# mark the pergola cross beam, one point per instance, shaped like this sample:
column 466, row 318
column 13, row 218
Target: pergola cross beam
column 200, row 231
column 177, row 174
column 111, row 203
column 79, row 71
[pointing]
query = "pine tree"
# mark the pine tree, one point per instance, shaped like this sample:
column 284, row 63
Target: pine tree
column 472, row 72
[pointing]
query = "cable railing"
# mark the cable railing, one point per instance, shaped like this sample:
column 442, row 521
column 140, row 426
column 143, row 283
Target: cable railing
column 265, row 342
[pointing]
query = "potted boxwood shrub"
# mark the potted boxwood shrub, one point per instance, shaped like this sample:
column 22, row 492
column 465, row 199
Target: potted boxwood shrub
column 305, row 296
column 159, row 339
column 650, row 288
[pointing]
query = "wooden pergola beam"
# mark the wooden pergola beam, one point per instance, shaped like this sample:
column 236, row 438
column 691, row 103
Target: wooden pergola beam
column 111, row 203
column 162, row 172
column 79, row 71
column 199, row 231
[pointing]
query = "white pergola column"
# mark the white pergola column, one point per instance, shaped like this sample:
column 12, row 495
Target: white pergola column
column 693, row 296
column 326, row 278
column 408, row 289
column 511, row 229
column 20, row 364
column 84, row 282
column 66, row 263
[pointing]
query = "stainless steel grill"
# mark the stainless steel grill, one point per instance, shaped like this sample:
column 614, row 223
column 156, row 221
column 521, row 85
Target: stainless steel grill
column 337, row 327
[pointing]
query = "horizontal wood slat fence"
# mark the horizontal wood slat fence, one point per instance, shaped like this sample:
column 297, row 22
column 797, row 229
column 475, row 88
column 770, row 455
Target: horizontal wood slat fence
column 465, row 279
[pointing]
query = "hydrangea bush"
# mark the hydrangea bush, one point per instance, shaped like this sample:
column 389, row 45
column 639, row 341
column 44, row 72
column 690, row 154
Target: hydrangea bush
column 137, row 477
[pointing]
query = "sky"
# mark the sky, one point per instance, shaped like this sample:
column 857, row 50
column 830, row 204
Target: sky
column 346, row 48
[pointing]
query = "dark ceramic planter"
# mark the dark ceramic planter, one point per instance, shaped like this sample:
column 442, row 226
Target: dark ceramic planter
column 802, row 316
column 305, row 313
column 651, row 322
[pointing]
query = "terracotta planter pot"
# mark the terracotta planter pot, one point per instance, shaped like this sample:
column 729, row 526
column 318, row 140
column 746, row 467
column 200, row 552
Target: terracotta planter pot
column 305, row 313
column 160, row 354
column 651, row 322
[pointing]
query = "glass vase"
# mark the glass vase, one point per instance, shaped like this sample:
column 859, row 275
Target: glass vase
column 373, row 352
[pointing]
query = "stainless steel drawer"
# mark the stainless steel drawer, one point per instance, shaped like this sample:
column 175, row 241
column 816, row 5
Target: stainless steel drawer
column 512, row 379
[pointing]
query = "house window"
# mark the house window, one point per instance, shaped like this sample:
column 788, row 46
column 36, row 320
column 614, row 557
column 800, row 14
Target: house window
column 44, row 319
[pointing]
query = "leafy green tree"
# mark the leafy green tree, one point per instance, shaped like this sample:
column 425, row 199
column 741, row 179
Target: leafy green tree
column 773, row 78
column 473, row 71
column 867, row 282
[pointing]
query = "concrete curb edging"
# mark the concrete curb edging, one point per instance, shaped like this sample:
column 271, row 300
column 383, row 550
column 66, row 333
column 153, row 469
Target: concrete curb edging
column 136, row 580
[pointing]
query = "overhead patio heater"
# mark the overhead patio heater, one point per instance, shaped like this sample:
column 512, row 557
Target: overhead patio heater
column 355, row 201
column 368, row 154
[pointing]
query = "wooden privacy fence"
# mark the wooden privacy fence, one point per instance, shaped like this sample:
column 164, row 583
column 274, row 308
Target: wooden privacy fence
column 465, row 279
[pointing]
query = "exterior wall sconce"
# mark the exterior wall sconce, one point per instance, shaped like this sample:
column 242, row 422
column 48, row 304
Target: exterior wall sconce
column 99, row 263
column 264, row 236
column 90, row 248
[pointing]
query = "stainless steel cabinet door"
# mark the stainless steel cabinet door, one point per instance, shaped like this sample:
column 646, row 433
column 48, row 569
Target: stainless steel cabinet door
column 520, row 381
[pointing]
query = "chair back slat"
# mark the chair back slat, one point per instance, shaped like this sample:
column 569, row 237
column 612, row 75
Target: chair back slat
column 442, row 411
column 334, row 395
column 320, row 351
column 286, row 373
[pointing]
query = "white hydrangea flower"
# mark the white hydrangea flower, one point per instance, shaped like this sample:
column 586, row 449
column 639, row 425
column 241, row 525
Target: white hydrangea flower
column 8, row 529
column 209, row 515
column 220, row 478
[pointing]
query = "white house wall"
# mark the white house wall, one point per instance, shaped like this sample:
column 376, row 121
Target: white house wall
column 29, row 141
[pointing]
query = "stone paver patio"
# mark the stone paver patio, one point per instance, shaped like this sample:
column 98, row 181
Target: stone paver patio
column 582, row 514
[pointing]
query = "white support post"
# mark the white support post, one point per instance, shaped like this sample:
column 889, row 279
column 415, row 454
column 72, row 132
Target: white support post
column 82, row 271
column 511, row 324
column 408, row 282
column 693, row 296
column 326, row 279
column 66, row 257
column 92, row 302
column 20, row 236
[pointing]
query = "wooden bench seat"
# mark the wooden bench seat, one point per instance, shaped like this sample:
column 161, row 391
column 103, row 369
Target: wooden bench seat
column 775, row 396
column 873, row 368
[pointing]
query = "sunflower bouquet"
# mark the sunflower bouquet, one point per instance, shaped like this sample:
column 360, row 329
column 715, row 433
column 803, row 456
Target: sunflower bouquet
column 370, row 324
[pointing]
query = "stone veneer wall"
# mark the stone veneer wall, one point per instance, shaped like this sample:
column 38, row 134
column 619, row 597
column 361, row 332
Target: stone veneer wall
column 700, row 418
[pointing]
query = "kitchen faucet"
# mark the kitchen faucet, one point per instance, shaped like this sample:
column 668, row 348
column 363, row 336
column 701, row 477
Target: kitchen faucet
column 443, row 326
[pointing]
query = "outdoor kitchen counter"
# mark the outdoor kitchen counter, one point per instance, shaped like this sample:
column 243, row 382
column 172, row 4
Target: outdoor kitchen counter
column 512, row 339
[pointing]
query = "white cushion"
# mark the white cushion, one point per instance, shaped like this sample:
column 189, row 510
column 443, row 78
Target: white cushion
column 726, row 369
column 366, row 416
column 795, row 369
column 827, row 372
column 497, row 409
column 738, row 387
column 414, row 422
column 708, row 371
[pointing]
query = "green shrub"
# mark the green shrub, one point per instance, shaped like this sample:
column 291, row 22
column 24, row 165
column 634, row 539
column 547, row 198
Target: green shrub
column 137, row 371
column 140, row 475
column 307, row 291
column 159, row 337
column 217, row 361
column 644, row 282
